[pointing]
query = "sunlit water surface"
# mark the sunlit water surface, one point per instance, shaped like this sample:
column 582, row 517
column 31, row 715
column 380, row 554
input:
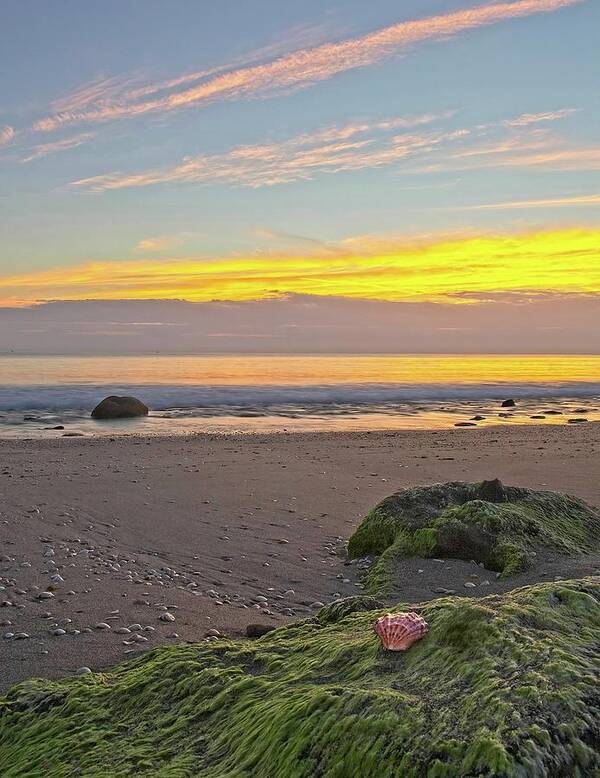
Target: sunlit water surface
column 275, row 393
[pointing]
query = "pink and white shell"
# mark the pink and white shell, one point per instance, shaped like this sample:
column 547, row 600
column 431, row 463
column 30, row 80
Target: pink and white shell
column 398, row 631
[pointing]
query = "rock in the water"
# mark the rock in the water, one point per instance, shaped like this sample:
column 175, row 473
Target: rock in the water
column 508, row 403
column 115, row 407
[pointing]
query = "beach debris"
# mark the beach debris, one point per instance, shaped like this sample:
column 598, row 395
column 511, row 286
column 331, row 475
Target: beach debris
column 398, row 631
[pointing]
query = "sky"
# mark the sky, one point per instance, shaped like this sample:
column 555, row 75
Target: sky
column 421, row 158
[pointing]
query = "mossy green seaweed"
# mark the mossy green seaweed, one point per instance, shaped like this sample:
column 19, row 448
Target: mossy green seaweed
column 505, row 686
column 502, row 527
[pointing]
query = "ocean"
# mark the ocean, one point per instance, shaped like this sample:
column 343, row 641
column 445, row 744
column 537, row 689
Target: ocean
column 304, row 392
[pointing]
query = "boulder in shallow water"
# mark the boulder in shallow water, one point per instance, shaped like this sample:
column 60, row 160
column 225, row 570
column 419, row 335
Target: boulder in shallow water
column 508, row 404
column 115, row 407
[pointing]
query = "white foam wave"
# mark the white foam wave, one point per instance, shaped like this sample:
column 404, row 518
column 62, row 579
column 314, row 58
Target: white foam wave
column 74, row 397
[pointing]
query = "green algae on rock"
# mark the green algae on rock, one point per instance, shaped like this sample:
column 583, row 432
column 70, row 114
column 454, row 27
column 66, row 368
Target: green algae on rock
column 500, row 526
column 502, row 687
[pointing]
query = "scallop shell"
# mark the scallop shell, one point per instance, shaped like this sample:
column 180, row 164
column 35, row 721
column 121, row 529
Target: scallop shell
column 398, row 631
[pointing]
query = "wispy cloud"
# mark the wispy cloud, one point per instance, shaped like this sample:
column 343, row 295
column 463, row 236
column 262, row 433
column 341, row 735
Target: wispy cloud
column 353, row 146
column 98, row 91
column 159, row 243
column 43, row 149
column 7, row 133
column 551, row 202
column 367, row 144
column 535, row 118
column 290, row 71
column 130, row 88
column 460, row 269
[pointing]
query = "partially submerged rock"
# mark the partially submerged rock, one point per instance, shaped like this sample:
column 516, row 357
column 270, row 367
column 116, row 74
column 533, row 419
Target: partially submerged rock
column 499, row 526
column 115, row 407
column 502, row 687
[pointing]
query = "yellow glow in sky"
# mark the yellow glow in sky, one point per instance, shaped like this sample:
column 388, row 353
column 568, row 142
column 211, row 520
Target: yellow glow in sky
column 442, row 269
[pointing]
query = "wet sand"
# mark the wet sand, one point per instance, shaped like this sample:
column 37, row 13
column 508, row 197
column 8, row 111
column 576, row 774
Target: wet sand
column 230, row 530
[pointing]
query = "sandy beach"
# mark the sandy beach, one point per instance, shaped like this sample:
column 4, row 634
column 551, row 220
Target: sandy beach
column 226, row 531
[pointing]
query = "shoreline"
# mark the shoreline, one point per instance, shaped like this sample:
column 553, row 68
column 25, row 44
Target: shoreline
column 136, row 524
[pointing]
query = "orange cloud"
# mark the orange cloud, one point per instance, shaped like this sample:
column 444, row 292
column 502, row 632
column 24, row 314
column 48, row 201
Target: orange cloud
column 7, row 133
column 292, row 71
column 456, row 269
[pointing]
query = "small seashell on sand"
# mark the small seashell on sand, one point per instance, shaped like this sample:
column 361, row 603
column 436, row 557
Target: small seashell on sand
column 398, row 631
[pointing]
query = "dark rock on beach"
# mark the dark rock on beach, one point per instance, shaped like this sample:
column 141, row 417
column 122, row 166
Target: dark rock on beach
column 258, row 630
column 508, row 404
column 115, row 407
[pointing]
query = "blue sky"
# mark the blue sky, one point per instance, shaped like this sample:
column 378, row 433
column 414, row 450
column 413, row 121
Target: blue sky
column 502, row 113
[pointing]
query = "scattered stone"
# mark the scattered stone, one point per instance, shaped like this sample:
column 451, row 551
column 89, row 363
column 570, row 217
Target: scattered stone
column 166, row 617
column 102, row 625
column 508, row 403
column 83, row 671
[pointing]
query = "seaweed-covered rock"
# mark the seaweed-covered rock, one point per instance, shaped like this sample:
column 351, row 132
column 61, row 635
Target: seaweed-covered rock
column 497, row 525
column 502, row 687
column 338, row 610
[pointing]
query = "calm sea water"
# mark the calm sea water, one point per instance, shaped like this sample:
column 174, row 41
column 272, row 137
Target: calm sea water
column 223, row 393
